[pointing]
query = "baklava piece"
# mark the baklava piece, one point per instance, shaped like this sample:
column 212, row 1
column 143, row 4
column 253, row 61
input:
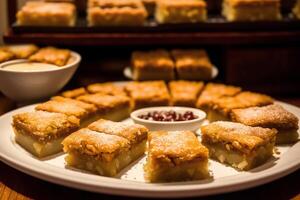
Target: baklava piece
column 21, row 51
column 86, row 112
column 175, row 156
column 214, row 91
column 115, row 108
column 97, row 152
column 148, row 94
column 41, row 133
column 222, row 107
column 296, row 9
column 116, row 13
column 271, row 116
column 242, row 147
column 251, row 10
column 51, row 55
column 107, row 88
column 136, row 134
column 192, row 64
column 178, row 11
column 185, row 93
column 152, row 65
column 37, row 13
column 5, row 56
column 72, row 94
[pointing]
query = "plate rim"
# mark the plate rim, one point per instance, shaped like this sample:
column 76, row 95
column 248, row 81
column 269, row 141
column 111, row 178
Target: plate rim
column 138, row 189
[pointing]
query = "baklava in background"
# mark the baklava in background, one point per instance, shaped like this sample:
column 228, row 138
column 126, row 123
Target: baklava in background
column 38, row 13
column 296, row 9
column 152, row 65
column 251, row 10
column 20, row 51
column 116, row 13
column 148, row 94
column 178, row 11
column 192, row 64
column 185, row 93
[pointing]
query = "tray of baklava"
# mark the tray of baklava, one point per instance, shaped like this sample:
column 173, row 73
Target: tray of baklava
column 84, row 138
column 155, row 16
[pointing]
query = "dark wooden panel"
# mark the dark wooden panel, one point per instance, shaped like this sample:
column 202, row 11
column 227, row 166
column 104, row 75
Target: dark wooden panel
column 11, row 11
column 274, row 70
column 199, row 38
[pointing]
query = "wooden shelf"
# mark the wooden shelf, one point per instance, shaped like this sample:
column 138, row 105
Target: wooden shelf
column 189, row 38
column 215, row 31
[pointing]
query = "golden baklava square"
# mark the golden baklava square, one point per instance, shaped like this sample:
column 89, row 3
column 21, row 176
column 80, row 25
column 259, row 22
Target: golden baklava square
column 192, row 64
column 178, row 11
column 175, row 156
column 97, row 152
column 5, row 56
column 74, row 93
column 38, row 13
column 185, row 93
column 152, row 65
column 251, row 10
column 86, row 112
column 51, row 55
column 214, row 91
column 271, row 116
column 107, row 88
column 115, row 108
column 116, row 13
column 148, row 94
column 296, row 9
column 41, row 133
column 240, row 146
column 222, row 107
column 20, row 51
column 136, row 134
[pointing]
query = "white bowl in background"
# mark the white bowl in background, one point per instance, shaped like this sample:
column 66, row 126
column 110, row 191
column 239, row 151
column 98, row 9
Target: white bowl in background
column 191, row 125
column 34, row 85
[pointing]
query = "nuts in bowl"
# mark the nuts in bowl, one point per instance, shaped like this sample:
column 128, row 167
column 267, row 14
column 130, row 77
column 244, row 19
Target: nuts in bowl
column 169, row 118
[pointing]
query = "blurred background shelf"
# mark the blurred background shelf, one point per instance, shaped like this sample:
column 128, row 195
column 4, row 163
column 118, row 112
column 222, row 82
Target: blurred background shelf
column 261, row 56
column 214, row 23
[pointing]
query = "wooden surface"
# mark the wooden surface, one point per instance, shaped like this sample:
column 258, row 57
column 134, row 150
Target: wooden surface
column 119, row 39
column 265, row 69
column 17, row 185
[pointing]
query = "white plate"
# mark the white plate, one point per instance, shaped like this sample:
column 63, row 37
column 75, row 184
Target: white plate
column 128, row 73
column 131, row 182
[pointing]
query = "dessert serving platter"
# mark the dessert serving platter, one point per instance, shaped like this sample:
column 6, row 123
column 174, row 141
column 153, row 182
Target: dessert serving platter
column 131, row 180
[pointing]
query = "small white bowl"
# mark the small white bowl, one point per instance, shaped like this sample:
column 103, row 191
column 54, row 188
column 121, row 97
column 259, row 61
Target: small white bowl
column 191, row 125
column 35, row 85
